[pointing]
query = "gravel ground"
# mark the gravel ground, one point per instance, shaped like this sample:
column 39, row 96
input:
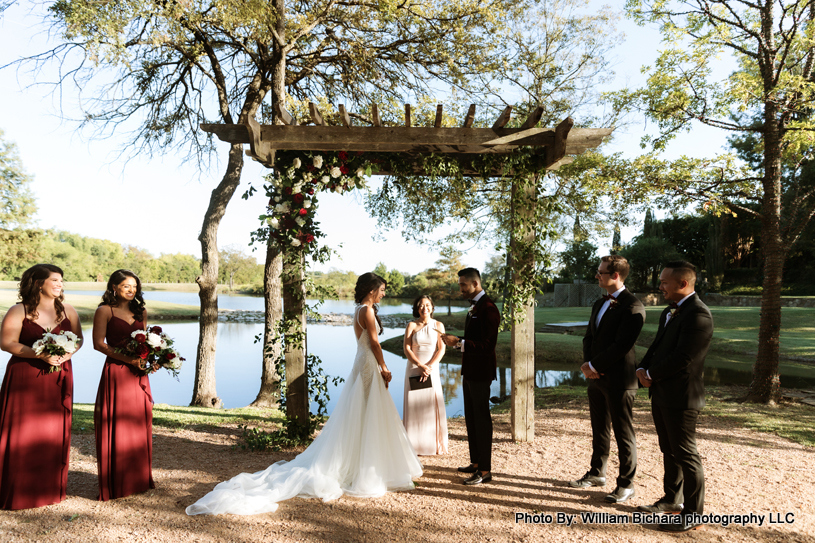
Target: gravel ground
column 747, row 472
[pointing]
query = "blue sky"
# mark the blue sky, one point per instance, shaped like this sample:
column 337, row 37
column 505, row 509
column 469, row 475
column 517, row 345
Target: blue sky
column 158, row 203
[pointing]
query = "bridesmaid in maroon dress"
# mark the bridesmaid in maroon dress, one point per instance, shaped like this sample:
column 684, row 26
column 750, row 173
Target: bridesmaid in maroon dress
column 35, row 404
column 123, row 417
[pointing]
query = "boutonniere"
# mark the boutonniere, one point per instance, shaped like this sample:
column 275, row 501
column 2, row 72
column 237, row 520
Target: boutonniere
column 673, row 309
column 471, row 310
column 613, row 303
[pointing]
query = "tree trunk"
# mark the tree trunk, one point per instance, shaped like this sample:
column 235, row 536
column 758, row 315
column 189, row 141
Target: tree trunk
column 269, row 394
column 765, row 387
column 203, row 393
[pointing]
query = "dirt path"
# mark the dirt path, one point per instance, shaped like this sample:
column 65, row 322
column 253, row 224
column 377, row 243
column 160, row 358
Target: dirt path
column 746, row 472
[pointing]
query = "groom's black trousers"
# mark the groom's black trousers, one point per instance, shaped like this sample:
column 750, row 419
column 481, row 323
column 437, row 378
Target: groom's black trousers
column 479, row 422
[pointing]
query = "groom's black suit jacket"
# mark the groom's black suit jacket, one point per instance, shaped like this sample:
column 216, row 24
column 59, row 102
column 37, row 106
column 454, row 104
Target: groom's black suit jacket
column 478, row 362
column 610, row 346
column 675, row 361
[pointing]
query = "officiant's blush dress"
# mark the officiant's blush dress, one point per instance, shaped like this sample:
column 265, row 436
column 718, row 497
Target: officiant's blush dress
column 424, row 416
column 35, row 427
column 123, row 422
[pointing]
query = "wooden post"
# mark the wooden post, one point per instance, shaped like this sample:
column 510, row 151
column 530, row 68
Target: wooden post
column 294, row 301
column 522, row 347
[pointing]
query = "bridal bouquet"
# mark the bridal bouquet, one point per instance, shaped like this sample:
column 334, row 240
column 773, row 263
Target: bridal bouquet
column 155, row 348
column 57, row 345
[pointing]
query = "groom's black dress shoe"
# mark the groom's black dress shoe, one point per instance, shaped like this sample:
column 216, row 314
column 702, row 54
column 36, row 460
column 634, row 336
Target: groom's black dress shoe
column 662, row 507
column 587, row 481
column 620, row 495
column 468, row 469
column 477, row 478
column 685, row 524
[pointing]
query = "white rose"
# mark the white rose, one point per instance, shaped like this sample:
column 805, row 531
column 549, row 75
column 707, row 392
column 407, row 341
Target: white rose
column 335, row 172
column 60, row 340
column 325, row 180
column 318, row 161
column 296, row 163
column 285, row 207
column 38, row 346
column 300, row 221
column 295, row 243
column 279, row 208
column 154, row 340
column 295, row 189
column 306, row 204
column 360, row 172
column 273, row 222
column 277, row 198
column 338, row 189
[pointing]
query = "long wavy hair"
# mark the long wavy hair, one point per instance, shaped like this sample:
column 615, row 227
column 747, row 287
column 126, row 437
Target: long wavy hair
column 31, row 285
column 367, row 283
column 136, row 305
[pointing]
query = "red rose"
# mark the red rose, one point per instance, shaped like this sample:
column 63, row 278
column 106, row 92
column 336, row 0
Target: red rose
column 156, row 329
column 170, row 356
column 289, row 223
column 304, row 212
column 311, row 167
column 343, row 156
column 309, row 238
column 298, row 198
column 143, row 351
column 310, row 191
column 344, row 169
column 140, row 338
column 287, row 190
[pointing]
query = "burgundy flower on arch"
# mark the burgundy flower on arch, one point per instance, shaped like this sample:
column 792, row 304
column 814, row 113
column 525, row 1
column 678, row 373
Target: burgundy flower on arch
column 343, row 156
column 310, row 191
column 303, row 212
column 309, row 238
column 298, row 198
column 344, row 169
column 287, row 190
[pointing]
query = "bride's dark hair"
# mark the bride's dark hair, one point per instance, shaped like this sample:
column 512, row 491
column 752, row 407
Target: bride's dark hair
column 136, row 305
column 367, row 283
column 31, row 284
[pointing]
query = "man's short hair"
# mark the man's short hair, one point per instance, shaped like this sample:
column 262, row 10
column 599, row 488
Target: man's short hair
column 682, row 270
column 618, row 264
column 470, row 274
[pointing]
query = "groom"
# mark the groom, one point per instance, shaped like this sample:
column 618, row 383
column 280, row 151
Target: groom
column 478, row 369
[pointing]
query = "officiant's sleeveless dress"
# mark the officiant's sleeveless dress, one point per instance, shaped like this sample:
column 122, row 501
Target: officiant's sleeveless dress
column 424, row 415
column 35, row 427
column 123, row 421
column 362, row 451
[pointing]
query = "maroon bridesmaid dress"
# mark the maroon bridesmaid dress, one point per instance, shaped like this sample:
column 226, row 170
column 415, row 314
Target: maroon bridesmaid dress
column 123, row 421
column 35, row 427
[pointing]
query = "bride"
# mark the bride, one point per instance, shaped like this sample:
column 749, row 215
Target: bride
column 362, row 450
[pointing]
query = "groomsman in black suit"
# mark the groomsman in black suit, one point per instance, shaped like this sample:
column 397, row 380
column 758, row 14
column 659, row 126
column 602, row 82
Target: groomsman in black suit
column 672, row 369
column 478, row 370
column 608, row 351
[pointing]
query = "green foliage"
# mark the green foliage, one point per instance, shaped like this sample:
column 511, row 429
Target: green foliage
column 237, row 267
column 647, row 257
column 579, row 261
column 17, row 205
column 90, row 259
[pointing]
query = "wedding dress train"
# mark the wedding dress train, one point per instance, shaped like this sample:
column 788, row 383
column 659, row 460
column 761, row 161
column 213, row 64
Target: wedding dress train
column 362, row 451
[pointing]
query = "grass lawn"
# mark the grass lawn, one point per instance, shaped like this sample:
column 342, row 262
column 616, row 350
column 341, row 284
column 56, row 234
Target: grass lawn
column 86, row 305
column 176, row 417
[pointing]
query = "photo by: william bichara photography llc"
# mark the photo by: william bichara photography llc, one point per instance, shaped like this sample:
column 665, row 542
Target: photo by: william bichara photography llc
column 639, row 517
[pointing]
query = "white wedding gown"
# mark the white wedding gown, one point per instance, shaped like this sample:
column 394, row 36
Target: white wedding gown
column 362, row 451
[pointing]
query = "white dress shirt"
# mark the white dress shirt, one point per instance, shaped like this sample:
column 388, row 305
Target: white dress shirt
column 475, row 301
column 668, row 319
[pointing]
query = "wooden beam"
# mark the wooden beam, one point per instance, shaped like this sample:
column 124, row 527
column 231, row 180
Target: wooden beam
column 415, row 139
column 556, row 153
column 468, row 120
column 259, row 149
column 437, row 123
column 503, row 118
column 533, row 119
column 346, row 119
column 316, row 117
column 375, row 115
column 283, row 115
column 522, row 343
column 407, row 115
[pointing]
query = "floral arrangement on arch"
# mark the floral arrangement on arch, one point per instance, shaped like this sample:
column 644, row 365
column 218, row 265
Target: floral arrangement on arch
column 293, row 189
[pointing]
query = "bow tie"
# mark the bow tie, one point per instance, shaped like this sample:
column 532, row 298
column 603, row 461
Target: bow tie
column 609, row 297
column 673, row 308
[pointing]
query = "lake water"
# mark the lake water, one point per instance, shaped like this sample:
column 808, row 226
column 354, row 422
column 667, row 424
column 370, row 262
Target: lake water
column 238, row 359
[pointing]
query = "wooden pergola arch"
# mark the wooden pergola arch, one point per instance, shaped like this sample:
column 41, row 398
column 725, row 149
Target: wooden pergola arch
column 556, row 145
